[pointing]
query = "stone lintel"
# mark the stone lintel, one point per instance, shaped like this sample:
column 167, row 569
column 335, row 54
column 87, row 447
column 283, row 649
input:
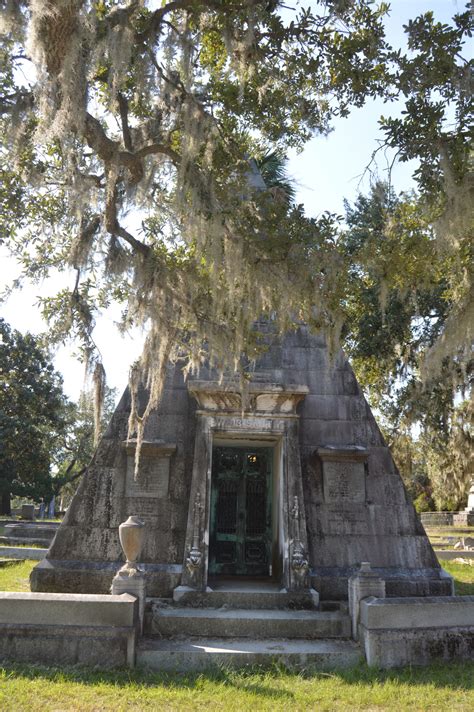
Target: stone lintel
column 151, row 447
column 336, row 453
column 268, row 398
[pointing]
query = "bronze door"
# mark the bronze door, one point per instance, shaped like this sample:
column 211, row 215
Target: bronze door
column 241, row 508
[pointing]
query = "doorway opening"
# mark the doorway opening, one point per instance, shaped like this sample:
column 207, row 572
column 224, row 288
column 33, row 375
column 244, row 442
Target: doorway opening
column 241, row 513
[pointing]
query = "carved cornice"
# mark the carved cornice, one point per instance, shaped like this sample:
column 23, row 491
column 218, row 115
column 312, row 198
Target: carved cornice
column 259, row 398
column 336, row 453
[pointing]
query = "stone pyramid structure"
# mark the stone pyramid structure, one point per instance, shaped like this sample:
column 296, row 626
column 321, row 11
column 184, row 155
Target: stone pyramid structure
column 296, row 486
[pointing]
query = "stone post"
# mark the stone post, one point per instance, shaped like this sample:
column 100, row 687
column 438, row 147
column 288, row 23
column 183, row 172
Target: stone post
column 298, row 558
column 194, row 577
column 130, row 578
column 466, row 517
column 363, row 584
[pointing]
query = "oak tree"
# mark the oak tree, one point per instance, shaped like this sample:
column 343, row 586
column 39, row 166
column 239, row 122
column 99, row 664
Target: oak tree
column 132, row 133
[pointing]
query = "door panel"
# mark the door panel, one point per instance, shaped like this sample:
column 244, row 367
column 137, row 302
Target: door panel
column 240, row 528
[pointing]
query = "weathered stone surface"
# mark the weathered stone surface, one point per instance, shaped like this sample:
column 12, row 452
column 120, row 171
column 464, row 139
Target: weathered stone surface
column 53, row 628
column 28, row 511
column 100, row 646
column 66, row 609
column 38, row 531
column 410, row 613
column 96, row 577
column 251, row 623
column 417, row 631
column 200, row 654
column 349, row 512
column 22, row 552
column 437, row 519
column 397, row 648
column 463, row 519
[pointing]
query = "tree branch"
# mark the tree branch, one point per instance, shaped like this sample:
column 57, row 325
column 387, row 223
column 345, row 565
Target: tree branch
column 123, row 108
column 110, row 151
column 111, row 220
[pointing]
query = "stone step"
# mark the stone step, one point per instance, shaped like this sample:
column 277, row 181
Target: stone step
column 45, row 532
column 246, row 623
column 245, row 597
column 15, row 540
column 23, row 552
column 197, row 654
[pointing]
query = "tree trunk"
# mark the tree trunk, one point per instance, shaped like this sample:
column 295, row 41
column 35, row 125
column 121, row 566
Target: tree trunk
column 5, row 506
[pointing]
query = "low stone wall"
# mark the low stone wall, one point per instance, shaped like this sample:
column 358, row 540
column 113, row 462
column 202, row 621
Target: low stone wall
column 22, row 552
column 53, row 628
column 464, row 519
column 437, row 519
column 449, row 554
column 416, row 631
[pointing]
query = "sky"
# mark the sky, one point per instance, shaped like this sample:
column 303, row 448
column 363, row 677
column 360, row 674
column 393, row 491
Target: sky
column 328, row 170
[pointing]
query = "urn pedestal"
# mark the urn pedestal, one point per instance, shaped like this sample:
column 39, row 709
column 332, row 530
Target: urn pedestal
column 130, row 579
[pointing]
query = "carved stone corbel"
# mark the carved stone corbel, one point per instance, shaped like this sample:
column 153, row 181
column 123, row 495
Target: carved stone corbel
column 298, row 558
column 194, row 559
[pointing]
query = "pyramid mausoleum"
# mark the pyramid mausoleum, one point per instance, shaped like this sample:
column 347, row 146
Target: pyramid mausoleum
column 295, row 486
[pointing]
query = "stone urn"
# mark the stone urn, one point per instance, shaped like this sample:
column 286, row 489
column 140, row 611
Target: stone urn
column 132, row 534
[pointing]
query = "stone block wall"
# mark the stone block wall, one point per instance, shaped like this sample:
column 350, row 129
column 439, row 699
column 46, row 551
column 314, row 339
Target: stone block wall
column 437, row 519
column 416, row 631
column 70, row 629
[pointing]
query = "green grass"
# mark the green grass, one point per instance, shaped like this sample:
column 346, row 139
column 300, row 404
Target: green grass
column 16, row 576
column 449, row 531
column 463, row 575
column 438, row 687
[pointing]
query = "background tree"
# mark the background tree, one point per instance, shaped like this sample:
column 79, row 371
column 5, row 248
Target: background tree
column 32, row 417
column 76, row 447
column 400, row 303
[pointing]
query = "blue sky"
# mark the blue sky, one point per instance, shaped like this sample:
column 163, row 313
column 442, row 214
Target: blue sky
column 329, row 169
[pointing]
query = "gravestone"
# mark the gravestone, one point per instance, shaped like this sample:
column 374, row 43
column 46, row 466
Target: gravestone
column 293, row 481
column 28, row 512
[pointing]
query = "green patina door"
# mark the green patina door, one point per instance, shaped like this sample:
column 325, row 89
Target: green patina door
column 241, row 511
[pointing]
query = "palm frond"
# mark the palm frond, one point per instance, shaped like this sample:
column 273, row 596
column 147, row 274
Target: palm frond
column 272, row 167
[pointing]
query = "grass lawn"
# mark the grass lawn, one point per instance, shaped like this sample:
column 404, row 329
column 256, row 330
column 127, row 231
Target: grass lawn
column 16, row 576
column 447, row 687
column 463, row 575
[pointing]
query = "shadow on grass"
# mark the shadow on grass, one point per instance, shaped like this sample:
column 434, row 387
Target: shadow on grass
column 257, row 680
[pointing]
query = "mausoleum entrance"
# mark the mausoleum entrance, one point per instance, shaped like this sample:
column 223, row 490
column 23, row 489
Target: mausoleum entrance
column 245, row 516
column 240, row 541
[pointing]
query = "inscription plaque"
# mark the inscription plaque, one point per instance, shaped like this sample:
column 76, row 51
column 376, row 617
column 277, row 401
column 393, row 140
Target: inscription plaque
column 344, row 482
column 153, row 477
column 154, row 511
column 259, row 424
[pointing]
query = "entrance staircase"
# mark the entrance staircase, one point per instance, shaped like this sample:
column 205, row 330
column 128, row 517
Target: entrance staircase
column 238, row 623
